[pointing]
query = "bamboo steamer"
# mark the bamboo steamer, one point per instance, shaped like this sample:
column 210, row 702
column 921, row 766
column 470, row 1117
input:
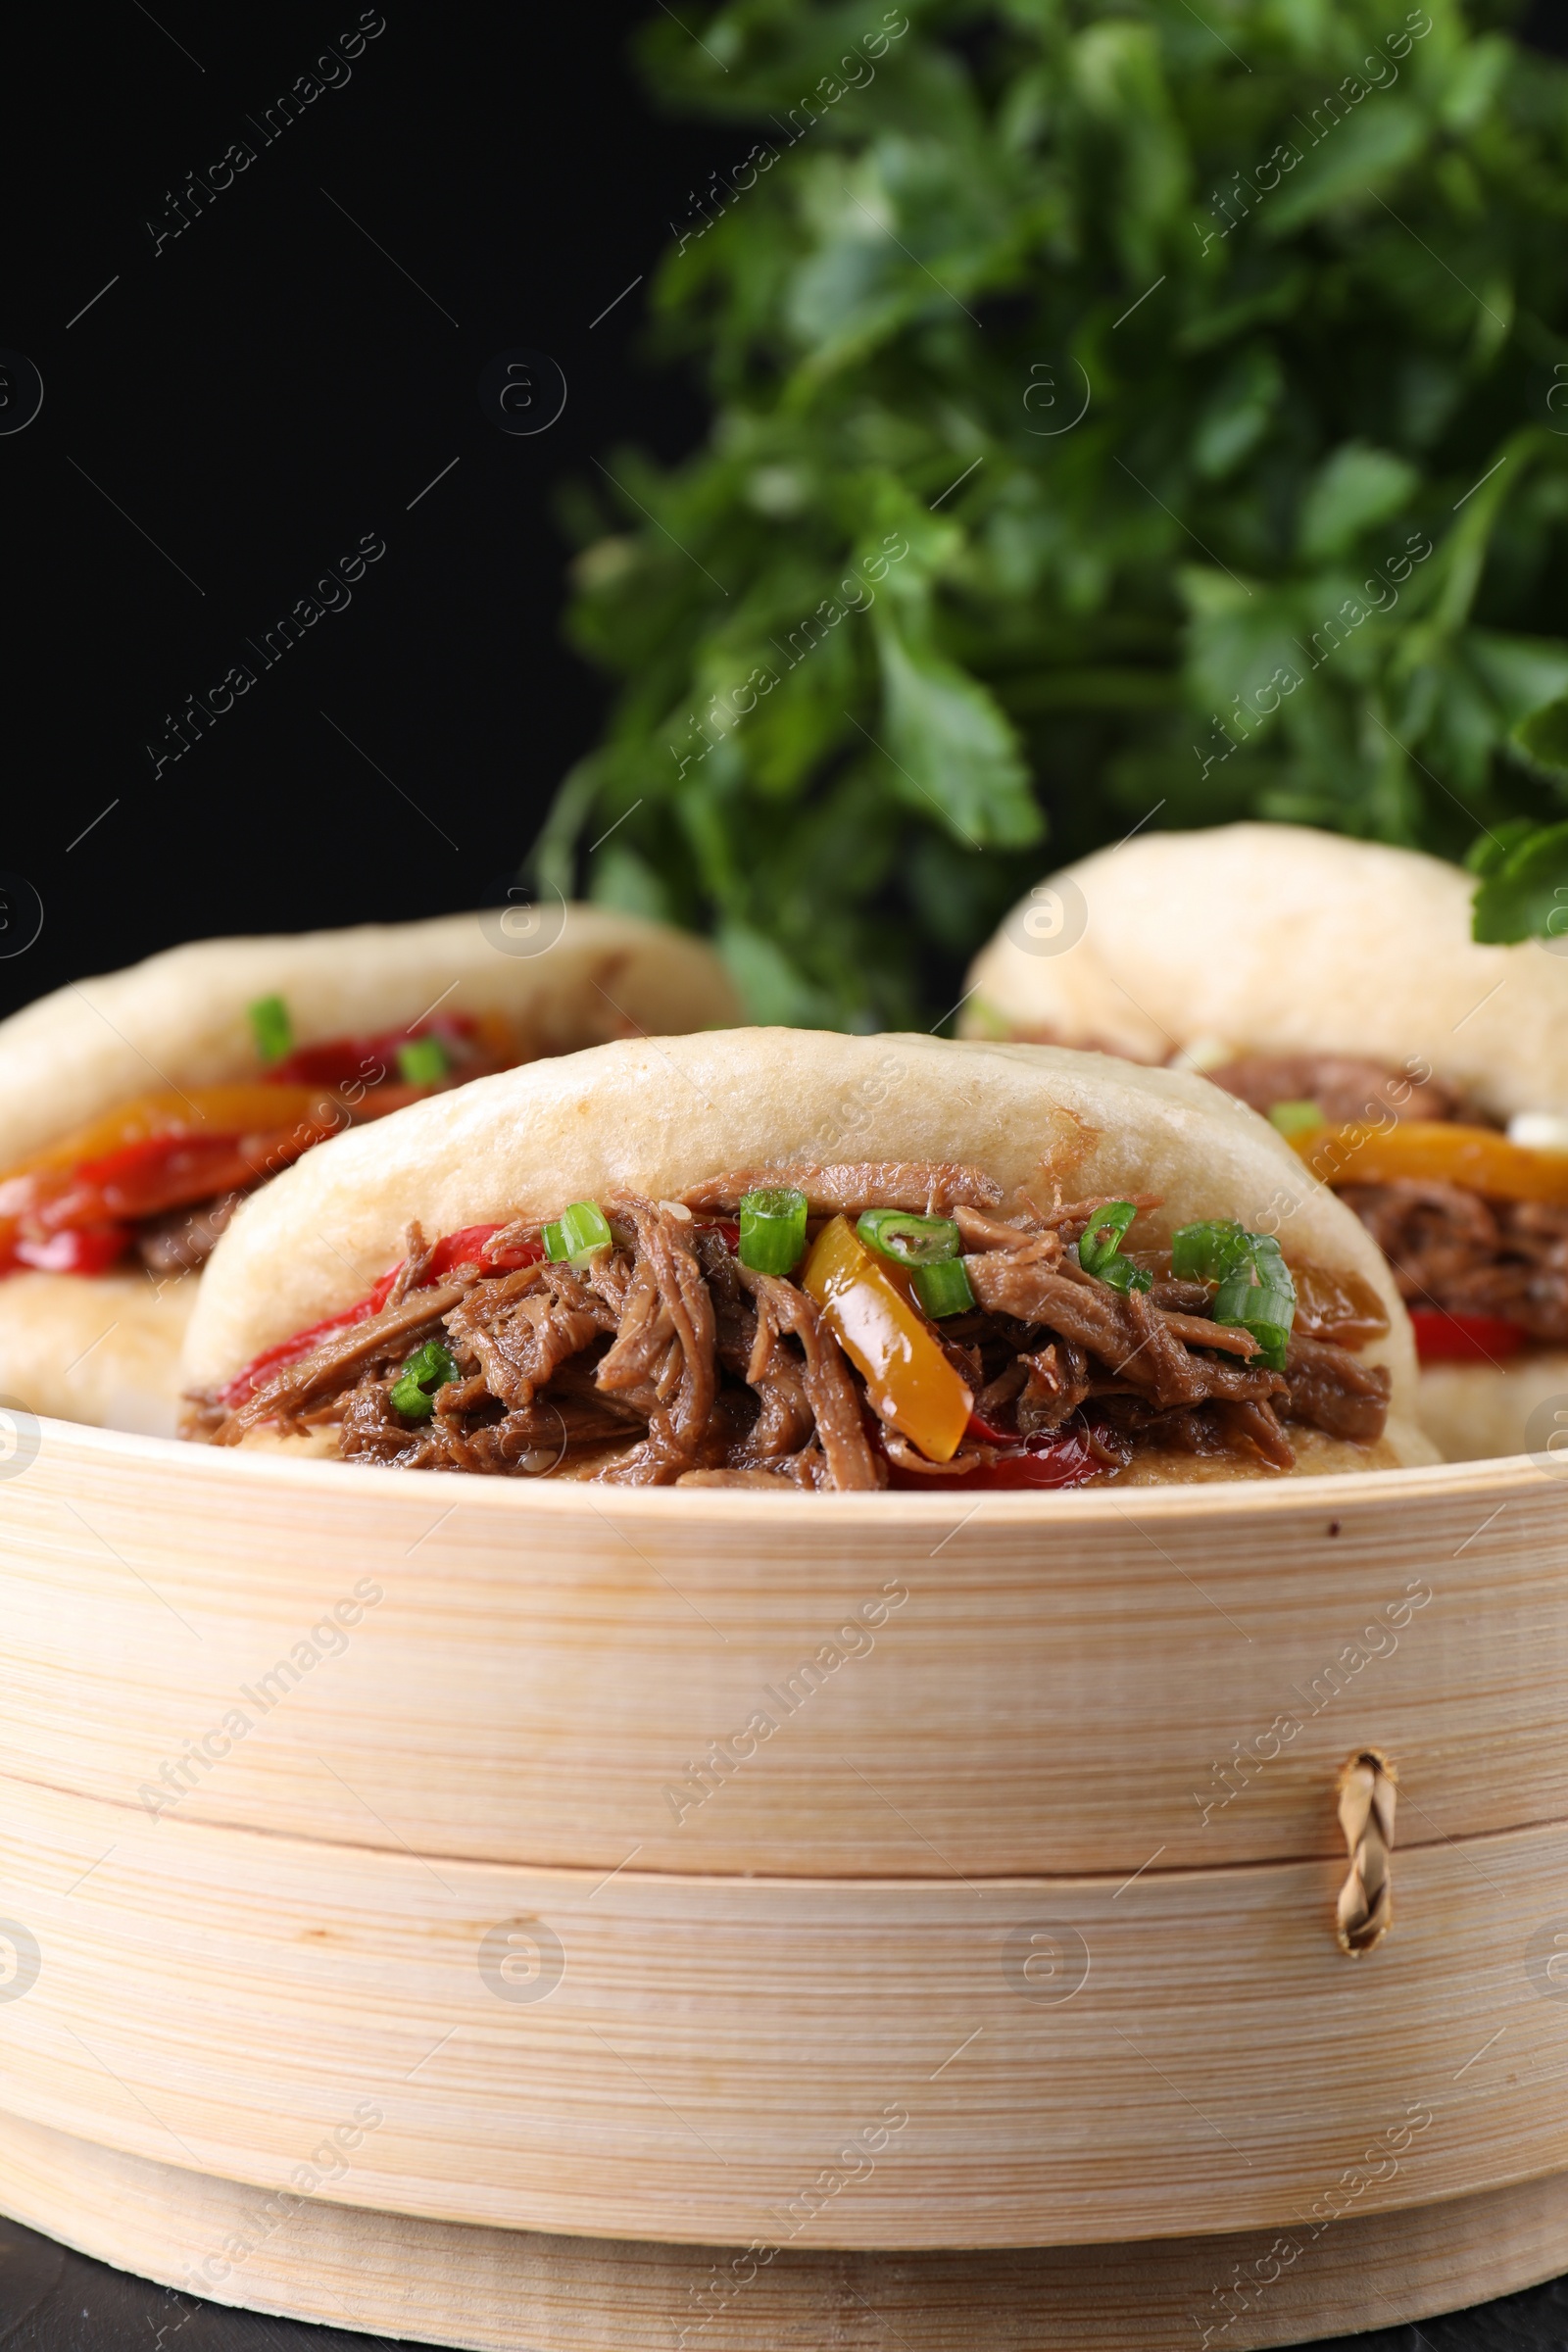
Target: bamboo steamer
column 492, row 1912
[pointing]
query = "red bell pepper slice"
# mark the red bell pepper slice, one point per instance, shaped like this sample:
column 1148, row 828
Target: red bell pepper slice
column 1061, row 1460
column 989, row 1436
column 79, row 1249
column 1445, row 1339
column 350, row 1060
column 465, row 1247
column 170, row 1171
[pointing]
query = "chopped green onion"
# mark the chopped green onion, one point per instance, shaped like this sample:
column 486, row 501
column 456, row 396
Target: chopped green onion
column 1264, row 1311
column 943, row 1287
column 272, row 1028
column 1099, row 1247
column 422, row 1062
column 1266, row 1256
column 1295, row 1118
column 1102, row 1236
column 1208, row 1252
column 772, row 1230
column 585, row 1228
column 427, row 1369
column 1123, row 1275
column 1267, row 1308
column 910, row 1240
column 578, row 1233
column 1256, row 1291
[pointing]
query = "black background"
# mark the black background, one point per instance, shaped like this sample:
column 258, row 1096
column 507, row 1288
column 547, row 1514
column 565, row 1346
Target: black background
column 256, row 396
column 267, row 387
column 264, row 390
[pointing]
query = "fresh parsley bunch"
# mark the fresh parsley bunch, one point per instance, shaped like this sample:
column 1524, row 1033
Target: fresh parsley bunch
column 1117, row 409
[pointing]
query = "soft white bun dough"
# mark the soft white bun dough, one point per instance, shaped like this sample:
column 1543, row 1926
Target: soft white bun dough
column 1472, row 1411
column 103, row 1350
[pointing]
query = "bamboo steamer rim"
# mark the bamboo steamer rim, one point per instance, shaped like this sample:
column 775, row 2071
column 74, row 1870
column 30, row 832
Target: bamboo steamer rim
column 1499, row 1478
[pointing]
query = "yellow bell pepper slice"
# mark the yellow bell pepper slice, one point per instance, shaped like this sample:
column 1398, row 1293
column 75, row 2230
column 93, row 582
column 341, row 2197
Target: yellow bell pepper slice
column 907, row 1377
column 246, row 1108
column 1435, row 1152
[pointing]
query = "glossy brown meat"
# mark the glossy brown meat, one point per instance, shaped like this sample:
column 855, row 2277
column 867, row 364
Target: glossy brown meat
column 923, row 1186
column 1344, row 1088
column 1450, row 1249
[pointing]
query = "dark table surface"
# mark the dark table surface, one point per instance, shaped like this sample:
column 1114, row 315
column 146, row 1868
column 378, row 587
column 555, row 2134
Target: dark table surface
column 52, row 2300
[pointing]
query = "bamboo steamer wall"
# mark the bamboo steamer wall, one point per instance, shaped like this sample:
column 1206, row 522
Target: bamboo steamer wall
column 985, row 1876
column 705, row 2049
column 1063, row 1690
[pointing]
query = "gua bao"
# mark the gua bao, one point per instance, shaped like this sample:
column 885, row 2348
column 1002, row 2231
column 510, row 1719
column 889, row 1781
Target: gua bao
column 786, row 1261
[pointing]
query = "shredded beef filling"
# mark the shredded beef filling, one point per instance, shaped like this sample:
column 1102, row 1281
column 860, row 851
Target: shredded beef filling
column 184, row 1239
column 923, row 1184
column 1452, row 1249
column 1344, row 1088
column 667, row 1360
column 1449, row 1248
